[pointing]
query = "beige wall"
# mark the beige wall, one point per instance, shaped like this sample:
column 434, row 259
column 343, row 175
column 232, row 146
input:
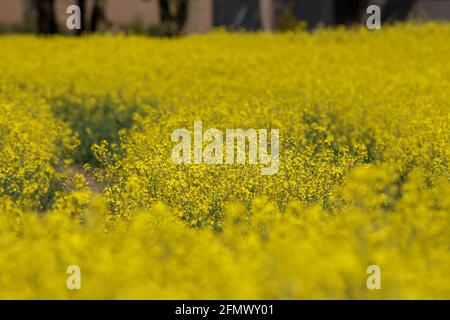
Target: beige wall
column 118, row 12
column 122, row 13
column 200, row 16
column 11, row 12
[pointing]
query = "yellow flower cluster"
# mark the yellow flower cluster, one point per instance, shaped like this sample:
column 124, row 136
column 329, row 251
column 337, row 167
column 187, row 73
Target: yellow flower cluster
column 33, row 144
column 363, row 176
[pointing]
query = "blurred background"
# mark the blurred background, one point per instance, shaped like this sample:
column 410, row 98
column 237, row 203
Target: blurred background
column 174, row 17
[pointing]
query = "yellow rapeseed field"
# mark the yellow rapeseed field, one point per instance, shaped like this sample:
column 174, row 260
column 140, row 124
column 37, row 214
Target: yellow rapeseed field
column 87, row 178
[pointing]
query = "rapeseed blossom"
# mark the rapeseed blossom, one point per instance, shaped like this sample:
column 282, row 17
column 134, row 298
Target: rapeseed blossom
column 363, row 177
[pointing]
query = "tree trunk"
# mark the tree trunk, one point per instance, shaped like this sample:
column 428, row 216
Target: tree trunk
column 46, row 17
column 173, row 16
column 98, row 15
column 181, row 14
column 82, row 5
column 164, row 10
column 349, row 11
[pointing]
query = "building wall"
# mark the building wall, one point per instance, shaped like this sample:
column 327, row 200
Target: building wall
column 204, row 14
column 118, row 13
column 123, row 13
column 436, row 9
column 433, row 9
column 315, row 12
column 237, row 14
column 199, row 17
column 11, row 12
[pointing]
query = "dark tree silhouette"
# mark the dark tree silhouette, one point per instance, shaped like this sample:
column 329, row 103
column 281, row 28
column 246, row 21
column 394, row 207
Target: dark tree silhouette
column 349, row 11
column 82, row 5
column 181, row 14
column 173, row 15
column 98, row 14
column 46, row 21
column 396, row 9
